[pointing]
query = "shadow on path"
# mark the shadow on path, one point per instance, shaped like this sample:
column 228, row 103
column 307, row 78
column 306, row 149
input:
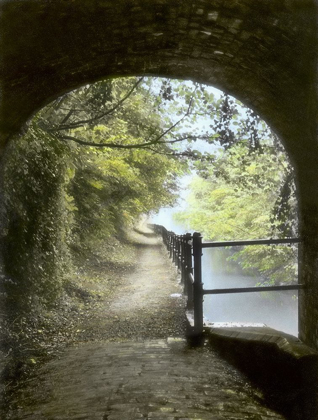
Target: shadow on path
column 138, row 371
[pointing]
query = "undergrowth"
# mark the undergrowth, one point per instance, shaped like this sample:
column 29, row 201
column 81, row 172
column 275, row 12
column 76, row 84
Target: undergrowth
column 31, row 338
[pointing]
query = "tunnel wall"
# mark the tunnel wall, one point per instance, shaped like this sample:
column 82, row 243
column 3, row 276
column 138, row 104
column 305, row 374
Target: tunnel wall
column 263, row 52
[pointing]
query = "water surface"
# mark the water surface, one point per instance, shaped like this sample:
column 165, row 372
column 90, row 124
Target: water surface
column 277, row 309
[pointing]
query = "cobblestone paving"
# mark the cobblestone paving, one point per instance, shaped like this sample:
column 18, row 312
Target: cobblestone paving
column 156, row 379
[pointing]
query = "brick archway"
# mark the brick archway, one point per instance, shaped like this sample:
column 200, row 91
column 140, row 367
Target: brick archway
column 263, row 52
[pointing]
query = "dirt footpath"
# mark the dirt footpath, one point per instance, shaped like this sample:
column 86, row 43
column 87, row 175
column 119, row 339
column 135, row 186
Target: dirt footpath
column 136, row 363
column 152, row 284
column 147, row 303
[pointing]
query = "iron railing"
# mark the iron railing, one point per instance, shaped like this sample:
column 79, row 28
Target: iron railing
column 186, row 252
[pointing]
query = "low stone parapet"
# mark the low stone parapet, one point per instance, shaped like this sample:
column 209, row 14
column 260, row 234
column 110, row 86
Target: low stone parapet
column 284, row 368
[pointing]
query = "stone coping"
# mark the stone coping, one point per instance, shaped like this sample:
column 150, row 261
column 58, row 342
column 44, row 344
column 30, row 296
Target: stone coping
column 258, row 334
column 284, row 342
column 280, row 365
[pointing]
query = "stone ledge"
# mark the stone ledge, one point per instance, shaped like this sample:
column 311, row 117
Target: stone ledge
column 258, row 333
column 263, row 334
column 280, row 364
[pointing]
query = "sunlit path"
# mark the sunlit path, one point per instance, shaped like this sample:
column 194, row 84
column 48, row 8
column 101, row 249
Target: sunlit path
column 134, row 378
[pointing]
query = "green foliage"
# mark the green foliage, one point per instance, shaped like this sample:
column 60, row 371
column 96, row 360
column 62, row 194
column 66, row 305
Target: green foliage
column 59, row 196
column 35, row 234
column 114, row 186
column 235, row 200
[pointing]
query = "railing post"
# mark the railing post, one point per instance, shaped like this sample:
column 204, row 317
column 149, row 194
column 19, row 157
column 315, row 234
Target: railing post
column 188, row 287
column 179, row 252
column 197, row 285
column 299, row 261
column 300, row 280
column 176, row 250
column 183, row 261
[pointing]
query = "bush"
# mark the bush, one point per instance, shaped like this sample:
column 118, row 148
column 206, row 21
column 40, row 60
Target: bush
column 34, row 229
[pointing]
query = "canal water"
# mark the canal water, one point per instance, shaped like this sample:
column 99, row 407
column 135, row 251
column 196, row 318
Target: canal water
column 277, row 309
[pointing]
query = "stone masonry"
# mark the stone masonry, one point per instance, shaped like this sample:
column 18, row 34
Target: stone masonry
column 153, row 380
column 263, row 52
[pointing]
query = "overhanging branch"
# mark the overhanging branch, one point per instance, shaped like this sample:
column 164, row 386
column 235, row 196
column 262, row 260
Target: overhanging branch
column 128, row 146
column 80, row 123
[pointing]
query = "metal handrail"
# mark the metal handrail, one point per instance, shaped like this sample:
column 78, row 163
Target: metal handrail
column 251, row 242
column 253, row 289
column 186, row 253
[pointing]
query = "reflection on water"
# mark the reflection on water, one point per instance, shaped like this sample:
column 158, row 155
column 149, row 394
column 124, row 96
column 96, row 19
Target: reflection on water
column 278, row 310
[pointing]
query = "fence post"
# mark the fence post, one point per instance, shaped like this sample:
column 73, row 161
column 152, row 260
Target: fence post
column 188, row 288
column 182, row 259
column 197, row 285
column 170, row 244
column 176, row 248
column 301, row 293
column 179, row 252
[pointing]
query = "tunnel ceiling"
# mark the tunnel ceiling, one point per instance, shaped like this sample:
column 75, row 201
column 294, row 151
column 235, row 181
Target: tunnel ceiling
column 262, row 52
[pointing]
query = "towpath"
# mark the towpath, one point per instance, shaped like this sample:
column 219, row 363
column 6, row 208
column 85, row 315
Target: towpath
column 142, row 367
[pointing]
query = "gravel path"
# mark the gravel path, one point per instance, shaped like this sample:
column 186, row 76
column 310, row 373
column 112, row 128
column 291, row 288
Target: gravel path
column 147, row 303
column 148, row 371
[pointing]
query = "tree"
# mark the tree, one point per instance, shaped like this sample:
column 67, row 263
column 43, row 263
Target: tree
column 60, row 196
column 35, row 228
column 236, row 199
column 90, row 116
column 120, row 183
column 158, row 116
column 98, row 157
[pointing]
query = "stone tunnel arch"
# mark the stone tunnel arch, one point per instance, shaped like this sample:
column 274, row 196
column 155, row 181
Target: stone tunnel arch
column 263, row 53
